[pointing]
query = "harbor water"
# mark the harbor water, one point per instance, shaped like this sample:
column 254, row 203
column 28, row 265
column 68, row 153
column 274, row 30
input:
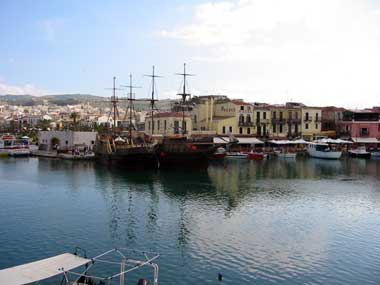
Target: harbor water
column 306, row 221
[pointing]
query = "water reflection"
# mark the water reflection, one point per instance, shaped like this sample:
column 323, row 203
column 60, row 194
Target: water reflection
column 304, row 221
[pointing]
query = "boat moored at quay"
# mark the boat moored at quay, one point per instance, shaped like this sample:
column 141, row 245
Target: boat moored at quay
column 11, row 146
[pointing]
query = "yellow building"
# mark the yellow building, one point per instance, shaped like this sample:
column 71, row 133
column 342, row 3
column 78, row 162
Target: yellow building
column 261, row 119
column 285, row 121
column 311, row 122
column 168, row 123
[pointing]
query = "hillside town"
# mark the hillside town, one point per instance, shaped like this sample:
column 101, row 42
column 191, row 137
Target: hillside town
column 210, row 115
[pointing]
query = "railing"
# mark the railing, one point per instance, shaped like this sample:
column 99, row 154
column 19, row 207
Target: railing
column 307, row 119
column 245, row 124
column 278, row 121
column 294, row 121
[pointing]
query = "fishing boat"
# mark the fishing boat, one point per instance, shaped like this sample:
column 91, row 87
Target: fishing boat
column 130, row 151
column 10, row 146
column 322, row 150
column 359, row 152
column 76, row 268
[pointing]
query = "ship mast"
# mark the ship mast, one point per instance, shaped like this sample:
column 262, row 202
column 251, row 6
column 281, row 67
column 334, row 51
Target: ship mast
column 114, row 101
column 130, row 99
column 153, row 100
column 184, row 95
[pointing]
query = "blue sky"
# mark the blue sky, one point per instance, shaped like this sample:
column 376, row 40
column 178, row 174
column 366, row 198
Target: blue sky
column 78, row 46
column 320, row 52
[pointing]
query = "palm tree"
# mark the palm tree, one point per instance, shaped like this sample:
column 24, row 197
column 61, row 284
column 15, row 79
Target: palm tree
column 74, row 116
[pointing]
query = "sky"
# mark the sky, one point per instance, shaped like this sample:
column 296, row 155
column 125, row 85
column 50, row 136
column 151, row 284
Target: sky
column 319, row 52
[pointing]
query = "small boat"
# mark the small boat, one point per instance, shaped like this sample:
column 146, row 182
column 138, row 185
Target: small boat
column 375, row 154
column 257, row 155
column 77, row 268
column 322, row 150
column 359, row 152
column 236, row 155
column 219, row 154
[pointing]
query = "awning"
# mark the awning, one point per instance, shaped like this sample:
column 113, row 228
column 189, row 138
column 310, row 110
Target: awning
column 41, row 269
column 332, row 141
column 365, row 140
column 225, row 140
column 285, row 142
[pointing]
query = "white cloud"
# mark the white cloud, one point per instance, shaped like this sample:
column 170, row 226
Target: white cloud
column 316, row 51
column 27, row 89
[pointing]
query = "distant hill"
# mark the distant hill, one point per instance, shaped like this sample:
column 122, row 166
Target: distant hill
column 73, row 99
column 59, row 99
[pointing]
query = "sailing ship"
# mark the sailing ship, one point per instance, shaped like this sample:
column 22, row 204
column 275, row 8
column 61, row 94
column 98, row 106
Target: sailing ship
column 182, row 150
column 131, row 151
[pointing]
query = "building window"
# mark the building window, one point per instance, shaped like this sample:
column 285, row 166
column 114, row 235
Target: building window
column 158, row 125
column 224, row 130
column 165, row 125
column 274, row 114
column 274, row 128
column 316, row 126
column 306, row 126
column 241, row 131
column 296, row 115
column 149, row 125
column 281, row 115
column 248, row 131
column 281, row 128
column 230, row 129
column 264, row 115
column 307, row 116
column 316, row 117
column 364, row 132
column 258, row 117
column 176, row 127
column 66, row 142
column 248, row 118
column 195, row 118
column 241, row 119
column 290, row 115
column 242, row 108
column 92, row 142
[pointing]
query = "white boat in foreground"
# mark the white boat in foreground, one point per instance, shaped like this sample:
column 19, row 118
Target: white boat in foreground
column 11, row 146
column 322, row 150
column 64, row 264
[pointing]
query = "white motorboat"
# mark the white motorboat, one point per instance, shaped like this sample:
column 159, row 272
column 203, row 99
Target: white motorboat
column 322, row 150
column 359, row 152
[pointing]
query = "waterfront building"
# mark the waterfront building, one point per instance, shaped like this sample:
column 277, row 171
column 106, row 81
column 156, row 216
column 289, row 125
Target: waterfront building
column 245, row 118
column 168, row 123
column 331, row 117
column 261, row 119
column 66, row 140
column 310, row 122
column 361, row 125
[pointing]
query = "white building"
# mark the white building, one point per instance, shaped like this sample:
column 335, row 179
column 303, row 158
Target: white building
column 66, row 140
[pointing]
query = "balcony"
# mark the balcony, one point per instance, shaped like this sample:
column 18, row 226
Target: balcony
column 245, row 124
column 294, row 121
column 262, row 121
column 278, row 121
column 307, row 119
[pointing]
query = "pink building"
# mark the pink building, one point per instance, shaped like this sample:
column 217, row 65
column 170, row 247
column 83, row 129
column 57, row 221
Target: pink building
column 361, row 125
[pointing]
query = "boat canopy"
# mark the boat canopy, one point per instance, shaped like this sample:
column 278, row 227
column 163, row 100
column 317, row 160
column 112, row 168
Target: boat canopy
column 365, row 140
column 41, row 269
column 285, row 142
column 248, row 140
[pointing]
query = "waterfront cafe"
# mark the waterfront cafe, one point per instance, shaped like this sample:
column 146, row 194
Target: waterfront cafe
column 288, row 146
column 369, row 143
